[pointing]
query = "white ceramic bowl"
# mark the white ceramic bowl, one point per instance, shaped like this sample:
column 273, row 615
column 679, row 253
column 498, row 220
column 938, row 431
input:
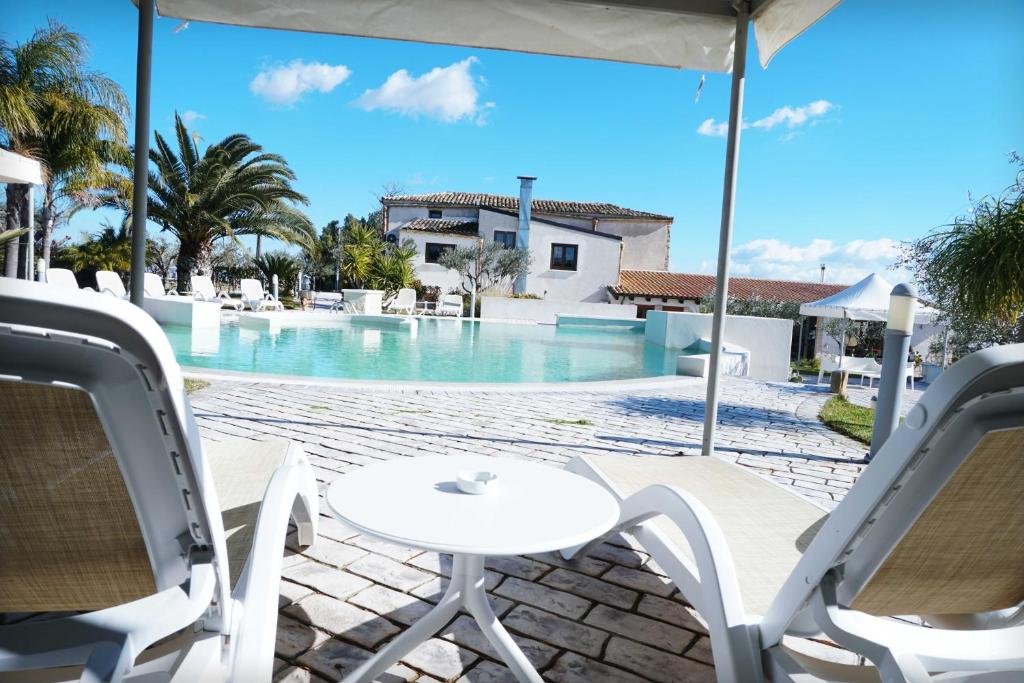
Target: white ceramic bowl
column 476, row 482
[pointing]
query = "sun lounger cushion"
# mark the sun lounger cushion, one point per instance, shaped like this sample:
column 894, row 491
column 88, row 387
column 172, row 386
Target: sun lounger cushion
column 241, row 471
column 69, row 536
column 767, row 527
column 965, row 553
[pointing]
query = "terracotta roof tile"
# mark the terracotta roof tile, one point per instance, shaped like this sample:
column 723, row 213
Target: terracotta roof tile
column 548, row 206
column 448, row 226
column 658, row 284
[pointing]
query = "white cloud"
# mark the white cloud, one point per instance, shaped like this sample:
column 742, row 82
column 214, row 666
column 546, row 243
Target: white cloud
column 189, row 117
column 791, row 117
column 448, row 94
column 287, row 84
column 844, row 262
column 712, row 129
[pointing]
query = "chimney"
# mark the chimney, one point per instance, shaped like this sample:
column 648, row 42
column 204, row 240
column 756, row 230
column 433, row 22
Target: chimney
column 523, row 234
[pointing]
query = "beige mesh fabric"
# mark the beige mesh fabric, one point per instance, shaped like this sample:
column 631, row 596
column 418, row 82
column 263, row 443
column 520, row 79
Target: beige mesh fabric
column 965, row 553
column 69, row 537
column 241, row 471
column 767, row 528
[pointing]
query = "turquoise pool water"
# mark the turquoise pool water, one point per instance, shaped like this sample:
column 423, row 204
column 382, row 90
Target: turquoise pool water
column 441, row 350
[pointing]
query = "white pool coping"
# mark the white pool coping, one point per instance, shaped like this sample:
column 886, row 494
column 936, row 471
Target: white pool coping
column 416, row 386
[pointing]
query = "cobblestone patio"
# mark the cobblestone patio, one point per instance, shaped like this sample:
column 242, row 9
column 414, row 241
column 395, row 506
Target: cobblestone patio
column 607, row 617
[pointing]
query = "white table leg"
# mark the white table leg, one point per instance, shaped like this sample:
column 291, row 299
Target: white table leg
column 466, row 588
column 404, row 643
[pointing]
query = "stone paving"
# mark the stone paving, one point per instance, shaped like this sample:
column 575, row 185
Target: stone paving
column 611, row 616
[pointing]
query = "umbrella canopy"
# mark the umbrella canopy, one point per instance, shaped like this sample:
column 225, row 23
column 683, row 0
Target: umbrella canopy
column 867, row 300
column 16, row 169
column 687, row 34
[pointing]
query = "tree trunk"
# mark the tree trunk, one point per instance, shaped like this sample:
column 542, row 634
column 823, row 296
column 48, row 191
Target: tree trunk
column 188, row 256
column 48, row 221
column 13, row 222
column 259, row 245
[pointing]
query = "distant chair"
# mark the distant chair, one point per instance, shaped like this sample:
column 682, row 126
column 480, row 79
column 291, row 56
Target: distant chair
column 254, row 296
column 61, row 277
column 152, row 285
column 203, row 290
column 450, row 304
column 109, row 282
column 403, row 302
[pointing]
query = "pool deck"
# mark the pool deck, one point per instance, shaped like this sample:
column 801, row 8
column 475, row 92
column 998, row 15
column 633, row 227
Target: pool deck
column 611, row 616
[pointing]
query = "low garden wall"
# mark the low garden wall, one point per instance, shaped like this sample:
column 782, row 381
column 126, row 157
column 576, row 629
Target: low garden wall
column 768, row 339
column 546, row 310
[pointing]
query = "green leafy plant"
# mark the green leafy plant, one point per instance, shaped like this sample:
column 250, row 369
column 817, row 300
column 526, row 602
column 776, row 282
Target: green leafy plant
column 973, row 270
column 233, row 187
column 278, row 263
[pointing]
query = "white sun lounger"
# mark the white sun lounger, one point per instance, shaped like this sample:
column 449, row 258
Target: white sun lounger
column 109, row 282
column 934, row 528
column 61, row 277
column 152, row 285
column 113, row 508
column 450, row 304
column 256, row 298
column 203, row 290
column 404, row 301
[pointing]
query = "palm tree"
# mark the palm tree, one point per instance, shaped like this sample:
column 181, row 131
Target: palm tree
column 71, row 119
column 360, row 247
column 232, row 188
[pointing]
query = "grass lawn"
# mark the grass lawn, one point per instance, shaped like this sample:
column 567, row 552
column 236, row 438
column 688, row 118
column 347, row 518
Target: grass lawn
column 194, row 385
column 849, row 419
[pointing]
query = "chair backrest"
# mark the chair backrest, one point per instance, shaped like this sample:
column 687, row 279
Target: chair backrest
column 935, row 525
column 406, row 298
column 203, row 285
column 152, row 285
column 103, row 485
column 61, row 277
column 451, row 301
column 252, row 289
column 110, row 282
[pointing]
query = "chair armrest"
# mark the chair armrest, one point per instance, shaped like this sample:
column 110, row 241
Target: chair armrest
column 291, row 493
column 108, row 641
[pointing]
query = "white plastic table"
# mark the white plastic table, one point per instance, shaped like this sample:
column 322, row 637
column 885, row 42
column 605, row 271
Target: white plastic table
column 415, row 502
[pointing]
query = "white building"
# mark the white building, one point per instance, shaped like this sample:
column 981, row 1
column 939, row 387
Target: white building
column 578, row 248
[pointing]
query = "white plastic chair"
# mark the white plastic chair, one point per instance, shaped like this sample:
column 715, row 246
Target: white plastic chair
column 61, row 277
column 109, row 282
column 114, row 508
column 403, row 302
column 203, row 290
column 450, row 304
column 152, row 285
column 256, row 298
column 934, row 528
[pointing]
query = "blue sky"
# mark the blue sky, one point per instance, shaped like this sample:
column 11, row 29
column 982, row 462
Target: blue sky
column 896, row 111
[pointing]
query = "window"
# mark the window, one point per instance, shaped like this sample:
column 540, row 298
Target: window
column 434, row 213
column 432, row 251
column 505, row 238
column 563, row 257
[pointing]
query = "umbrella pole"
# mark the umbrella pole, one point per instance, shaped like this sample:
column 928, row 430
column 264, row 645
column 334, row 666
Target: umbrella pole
column 143, row 76
column 732, row 157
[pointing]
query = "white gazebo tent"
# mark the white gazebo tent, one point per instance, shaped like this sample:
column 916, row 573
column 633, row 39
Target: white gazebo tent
column 868, row 300
column 705, row 35
column 18, row 170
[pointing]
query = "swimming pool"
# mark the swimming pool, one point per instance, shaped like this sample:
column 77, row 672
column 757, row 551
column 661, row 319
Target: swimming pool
column 440, row 350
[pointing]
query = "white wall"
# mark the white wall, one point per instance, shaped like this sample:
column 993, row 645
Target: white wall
column 767, row 339
column 434, row 274
column 644, row 243
column 544, row 311
column 597, row 259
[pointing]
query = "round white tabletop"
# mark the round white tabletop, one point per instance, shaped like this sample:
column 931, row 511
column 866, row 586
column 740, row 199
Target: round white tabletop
column 415, row 502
